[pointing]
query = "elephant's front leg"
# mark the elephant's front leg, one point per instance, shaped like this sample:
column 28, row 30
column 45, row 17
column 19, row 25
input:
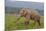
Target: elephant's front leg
column 27, row 19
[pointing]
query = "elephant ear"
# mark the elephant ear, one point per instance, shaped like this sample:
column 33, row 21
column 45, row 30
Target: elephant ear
column 25, row 12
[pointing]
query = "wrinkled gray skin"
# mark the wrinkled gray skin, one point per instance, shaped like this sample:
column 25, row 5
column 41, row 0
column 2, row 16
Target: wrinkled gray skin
column 29, row 14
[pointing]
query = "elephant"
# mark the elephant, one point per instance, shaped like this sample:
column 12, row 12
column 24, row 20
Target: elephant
column 30, row 14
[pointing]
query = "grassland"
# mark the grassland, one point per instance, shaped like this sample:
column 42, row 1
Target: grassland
column 11, row 24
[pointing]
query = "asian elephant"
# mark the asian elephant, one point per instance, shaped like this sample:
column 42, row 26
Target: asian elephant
column 30, row 14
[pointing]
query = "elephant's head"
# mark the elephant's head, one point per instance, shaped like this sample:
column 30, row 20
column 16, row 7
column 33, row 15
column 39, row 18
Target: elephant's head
column 23, row 12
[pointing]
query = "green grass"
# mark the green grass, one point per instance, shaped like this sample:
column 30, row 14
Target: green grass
column 11, row 24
